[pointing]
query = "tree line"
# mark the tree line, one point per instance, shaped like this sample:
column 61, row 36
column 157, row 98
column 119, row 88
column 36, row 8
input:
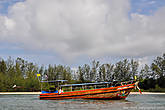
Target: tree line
column 23, row 74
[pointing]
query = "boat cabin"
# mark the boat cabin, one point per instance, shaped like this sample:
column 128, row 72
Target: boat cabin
column 89, row 86
column 60, row 85
column 85, row 86
column 53, row 86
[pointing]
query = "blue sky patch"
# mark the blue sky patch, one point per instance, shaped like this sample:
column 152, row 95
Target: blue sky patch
column 146, row 7
column 4, row 4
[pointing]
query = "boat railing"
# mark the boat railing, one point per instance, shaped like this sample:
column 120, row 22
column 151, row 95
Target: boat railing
column 86, row 86
column 90, row 86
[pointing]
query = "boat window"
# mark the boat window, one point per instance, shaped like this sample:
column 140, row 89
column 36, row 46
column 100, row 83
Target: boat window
column 117, row 84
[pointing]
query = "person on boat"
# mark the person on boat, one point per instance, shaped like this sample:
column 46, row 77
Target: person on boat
column 122, row 84
column 60, row 91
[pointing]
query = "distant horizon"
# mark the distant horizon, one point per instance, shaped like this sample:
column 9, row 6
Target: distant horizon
column 111, row 60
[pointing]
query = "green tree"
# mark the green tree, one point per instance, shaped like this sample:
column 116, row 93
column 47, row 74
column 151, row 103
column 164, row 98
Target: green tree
column 94, row 72
column 81, row 74
column 122, row 70
column 158, row 66
column 133, row 69
column 109, row 72
column 86, row 70
column 145, row 73
column 3, row 67
column 102, row 73
column 158, row 69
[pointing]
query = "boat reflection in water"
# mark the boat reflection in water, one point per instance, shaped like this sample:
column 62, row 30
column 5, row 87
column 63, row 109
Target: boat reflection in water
column 99, row 90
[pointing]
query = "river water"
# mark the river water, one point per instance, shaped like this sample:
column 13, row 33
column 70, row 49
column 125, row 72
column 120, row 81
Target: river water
column 132, row 102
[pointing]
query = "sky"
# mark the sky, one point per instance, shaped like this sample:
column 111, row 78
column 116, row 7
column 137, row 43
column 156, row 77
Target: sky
column 75, row 32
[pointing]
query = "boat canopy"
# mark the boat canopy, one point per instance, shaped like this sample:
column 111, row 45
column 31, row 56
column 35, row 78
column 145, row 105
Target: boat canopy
column 84, row 84
column 55, row 81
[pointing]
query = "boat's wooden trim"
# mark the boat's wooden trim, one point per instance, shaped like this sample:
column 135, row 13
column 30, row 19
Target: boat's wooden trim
column 64, row 94
column 92, row 96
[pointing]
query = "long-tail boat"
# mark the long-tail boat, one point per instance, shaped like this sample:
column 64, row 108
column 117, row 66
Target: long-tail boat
column 99, row 90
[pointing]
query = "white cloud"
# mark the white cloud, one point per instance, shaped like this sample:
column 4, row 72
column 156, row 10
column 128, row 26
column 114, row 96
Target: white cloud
column 92, row 28
column 143, row 61
column 152, row 2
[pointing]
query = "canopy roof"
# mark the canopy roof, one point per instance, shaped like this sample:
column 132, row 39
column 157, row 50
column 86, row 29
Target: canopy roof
column 82, row 84
column 55, row 81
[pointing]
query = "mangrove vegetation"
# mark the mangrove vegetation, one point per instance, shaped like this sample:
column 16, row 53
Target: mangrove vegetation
column 20, row 75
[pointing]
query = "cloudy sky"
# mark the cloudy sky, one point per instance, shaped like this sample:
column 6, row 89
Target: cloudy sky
column 74, row 32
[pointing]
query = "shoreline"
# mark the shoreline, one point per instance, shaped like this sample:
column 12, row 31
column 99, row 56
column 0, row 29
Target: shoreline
column 37, row 93
column 147, row 93
column 20, row 93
